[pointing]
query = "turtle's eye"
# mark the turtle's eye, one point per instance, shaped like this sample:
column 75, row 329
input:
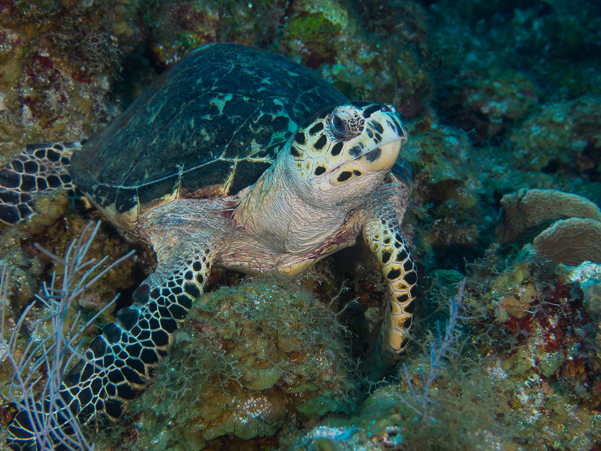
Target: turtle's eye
column 339, row 126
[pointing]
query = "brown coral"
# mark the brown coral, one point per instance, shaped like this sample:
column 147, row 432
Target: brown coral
column 528, row 212
column 571, row 242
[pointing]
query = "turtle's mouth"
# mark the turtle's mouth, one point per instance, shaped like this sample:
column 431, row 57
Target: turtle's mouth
column 381, row 158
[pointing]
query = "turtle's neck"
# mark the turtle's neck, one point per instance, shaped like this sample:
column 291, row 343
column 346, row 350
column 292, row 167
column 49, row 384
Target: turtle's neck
column 274, row 213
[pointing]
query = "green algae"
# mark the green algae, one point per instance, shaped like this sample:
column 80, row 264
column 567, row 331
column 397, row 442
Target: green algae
column 315, row 32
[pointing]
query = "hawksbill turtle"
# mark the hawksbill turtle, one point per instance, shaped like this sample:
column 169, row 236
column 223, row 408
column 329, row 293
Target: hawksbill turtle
column 238, row 158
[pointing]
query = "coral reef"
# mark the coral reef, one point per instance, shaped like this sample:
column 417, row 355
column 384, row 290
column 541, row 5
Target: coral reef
column 52, row 230
column 458, row 405
column 179, row 26
column 489, row 104
column 328, row 36
column 523, row 374
column 587, row 278
column 561, row 134
column 40, row 348
column 549, row 364
column 501, row 101
column 248, row 360
column 445, row 188
column 57, row 63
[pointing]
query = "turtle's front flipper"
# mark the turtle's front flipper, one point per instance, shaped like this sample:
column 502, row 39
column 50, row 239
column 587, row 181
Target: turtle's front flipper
column 382, row 234
column 37, row 169
column 119, row 363
column 121, row 360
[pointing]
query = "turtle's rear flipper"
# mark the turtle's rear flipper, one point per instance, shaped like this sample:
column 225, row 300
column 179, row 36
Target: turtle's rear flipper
column 39, row 168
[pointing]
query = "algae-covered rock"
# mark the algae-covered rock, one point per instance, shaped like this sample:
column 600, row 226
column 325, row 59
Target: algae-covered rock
column 487, row 104
column 467, row 414
column 559, row 134
column 180, row 26
column 587, row 277
column 247, row 360
column 446, row 188
column 333, row 38
column 57, row 62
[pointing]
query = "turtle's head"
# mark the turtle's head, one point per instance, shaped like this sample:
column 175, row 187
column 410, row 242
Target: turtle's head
column 348, row 149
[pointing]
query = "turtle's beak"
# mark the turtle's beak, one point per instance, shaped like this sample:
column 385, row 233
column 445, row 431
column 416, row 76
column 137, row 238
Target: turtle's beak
column 387, row 128
column 375, row 150
column 381, row 158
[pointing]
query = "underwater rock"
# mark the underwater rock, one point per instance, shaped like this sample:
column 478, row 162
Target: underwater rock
column 547, row 352
column 517, row 304
column 587, row 277
column 365, row 61
column 564, row 133
column 181, row 26
column 528, row 212
column 438, row 154
column 488, row 104
column 54, row 231
column 570, row 241
column 511, row 294
column 446, row 189
column 247, row 360
column 468, row 414
column 57, row 63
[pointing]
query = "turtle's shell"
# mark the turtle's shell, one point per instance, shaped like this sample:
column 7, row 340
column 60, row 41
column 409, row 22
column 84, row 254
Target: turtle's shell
column 208, row 127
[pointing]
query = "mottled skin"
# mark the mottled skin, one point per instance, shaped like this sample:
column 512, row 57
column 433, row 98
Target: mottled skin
column 332, row 180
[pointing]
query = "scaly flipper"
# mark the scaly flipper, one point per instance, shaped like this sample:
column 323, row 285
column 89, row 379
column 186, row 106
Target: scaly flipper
column 120, row 362
column 382, row 233
column 37, row 169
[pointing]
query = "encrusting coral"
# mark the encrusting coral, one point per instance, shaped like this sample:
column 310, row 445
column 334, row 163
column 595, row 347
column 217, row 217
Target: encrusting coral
column 247, row 360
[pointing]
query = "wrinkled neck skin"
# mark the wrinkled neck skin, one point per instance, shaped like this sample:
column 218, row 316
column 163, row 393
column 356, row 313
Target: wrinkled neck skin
column 289, row 215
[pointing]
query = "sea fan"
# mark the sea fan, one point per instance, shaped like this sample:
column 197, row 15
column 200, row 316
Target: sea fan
column 44, row 421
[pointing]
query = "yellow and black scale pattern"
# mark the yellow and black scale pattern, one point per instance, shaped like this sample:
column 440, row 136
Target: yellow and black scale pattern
column 119, row 363
column 383, row 237
column 37, row 169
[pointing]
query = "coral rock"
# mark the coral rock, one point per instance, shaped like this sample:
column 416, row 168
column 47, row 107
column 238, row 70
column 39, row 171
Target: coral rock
column 488, row 104
column 559, row 133
column 528, row 212
column 247, row 360
column 571, row 242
